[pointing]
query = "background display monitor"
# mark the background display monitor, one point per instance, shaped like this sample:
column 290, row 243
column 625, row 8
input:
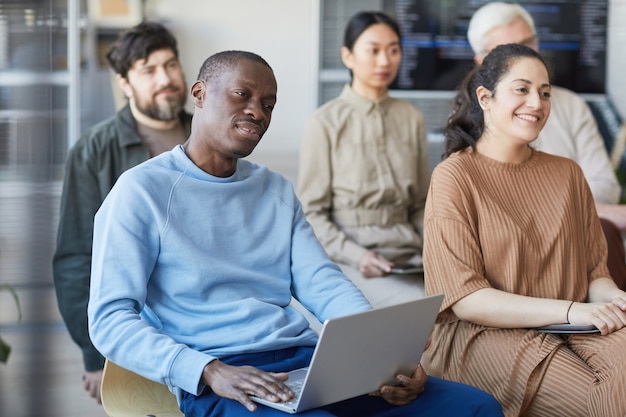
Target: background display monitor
column 437, row 55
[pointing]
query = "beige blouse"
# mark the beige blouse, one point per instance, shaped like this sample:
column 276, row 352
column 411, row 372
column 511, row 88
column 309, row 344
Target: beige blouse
column 528, row 229
column 363, row 176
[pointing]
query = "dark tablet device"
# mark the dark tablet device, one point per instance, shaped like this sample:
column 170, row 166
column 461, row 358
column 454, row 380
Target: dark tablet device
column 407, row 269
column 568, row 328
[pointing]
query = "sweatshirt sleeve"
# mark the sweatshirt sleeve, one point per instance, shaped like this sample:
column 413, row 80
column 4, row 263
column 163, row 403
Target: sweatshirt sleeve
column 126, row 245
column 318, row 283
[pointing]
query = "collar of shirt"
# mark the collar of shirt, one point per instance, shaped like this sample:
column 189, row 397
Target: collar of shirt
column 363, row 104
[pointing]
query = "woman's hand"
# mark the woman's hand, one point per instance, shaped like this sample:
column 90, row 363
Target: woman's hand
column 372, row 264
column 237, row 382
column 607, row 317
column 407, row 390
column 620, row 301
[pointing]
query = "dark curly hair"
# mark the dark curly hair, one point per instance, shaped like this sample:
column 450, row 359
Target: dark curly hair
column 137, row 43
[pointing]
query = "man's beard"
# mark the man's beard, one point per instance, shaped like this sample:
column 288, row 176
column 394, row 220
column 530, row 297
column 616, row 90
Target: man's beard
column 165, row 112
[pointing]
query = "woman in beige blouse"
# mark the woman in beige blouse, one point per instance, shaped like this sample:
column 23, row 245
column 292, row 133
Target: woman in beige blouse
column 364, row 173
column 513, row 240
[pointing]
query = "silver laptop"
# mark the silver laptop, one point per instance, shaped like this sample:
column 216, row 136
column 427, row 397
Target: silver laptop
column 358, row 353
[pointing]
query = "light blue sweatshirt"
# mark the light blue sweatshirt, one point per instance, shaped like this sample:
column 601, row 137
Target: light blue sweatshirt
column 188, row 267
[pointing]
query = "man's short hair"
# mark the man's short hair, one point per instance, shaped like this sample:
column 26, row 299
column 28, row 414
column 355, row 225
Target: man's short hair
column 138, row 43
column 490, row 16
column 219, row 63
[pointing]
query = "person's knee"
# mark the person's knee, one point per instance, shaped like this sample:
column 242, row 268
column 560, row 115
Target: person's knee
column 462, row 399
column 483, row 403
column 486, row 405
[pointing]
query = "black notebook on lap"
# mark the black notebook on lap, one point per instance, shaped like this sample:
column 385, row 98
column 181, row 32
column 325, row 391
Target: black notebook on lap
column 568, row 328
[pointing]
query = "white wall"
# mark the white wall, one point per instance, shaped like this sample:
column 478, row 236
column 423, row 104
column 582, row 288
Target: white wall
column 284, row 32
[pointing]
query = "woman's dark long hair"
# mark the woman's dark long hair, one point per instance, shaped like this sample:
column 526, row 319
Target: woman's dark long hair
column 466, row 123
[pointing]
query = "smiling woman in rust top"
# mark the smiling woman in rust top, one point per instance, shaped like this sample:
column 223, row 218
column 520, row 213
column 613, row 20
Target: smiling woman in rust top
column 513, row 239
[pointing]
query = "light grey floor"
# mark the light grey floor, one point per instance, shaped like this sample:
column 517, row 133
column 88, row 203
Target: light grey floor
column 43, row 375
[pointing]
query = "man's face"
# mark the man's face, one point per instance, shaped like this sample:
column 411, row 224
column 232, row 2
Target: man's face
column 157, row 85
column 236, row 108
column 517, row 31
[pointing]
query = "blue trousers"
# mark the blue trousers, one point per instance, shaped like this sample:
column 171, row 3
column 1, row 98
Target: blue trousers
column 440, row 398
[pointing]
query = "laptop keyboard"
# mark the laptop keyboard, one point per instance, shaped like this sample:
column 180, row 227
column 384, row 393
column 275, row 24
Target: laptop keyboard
column 296, row 387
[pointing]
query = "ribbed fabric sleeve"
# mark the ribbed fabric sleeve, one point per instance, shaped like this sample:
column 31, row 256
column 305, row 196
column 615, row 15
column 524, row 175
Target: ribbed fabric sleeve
column 528, row 228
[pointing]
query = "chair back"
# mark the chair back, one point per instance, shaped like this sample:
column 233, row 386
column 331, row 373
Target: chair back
column 126, row 394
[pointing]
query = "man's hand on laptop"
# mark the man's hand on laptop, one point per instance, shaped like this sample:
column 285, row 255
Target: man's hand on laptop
column 408, row 388
column 237, row 382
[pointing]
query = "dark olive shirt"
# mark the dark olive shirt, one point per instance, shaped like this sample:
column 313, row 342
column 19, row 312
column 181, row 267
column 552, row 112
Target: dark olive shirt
column 94, row 163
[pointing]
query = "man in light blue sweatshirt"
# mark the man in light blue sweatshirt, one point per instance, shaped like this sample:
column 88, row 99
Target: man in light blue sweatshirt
column 197, row 253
